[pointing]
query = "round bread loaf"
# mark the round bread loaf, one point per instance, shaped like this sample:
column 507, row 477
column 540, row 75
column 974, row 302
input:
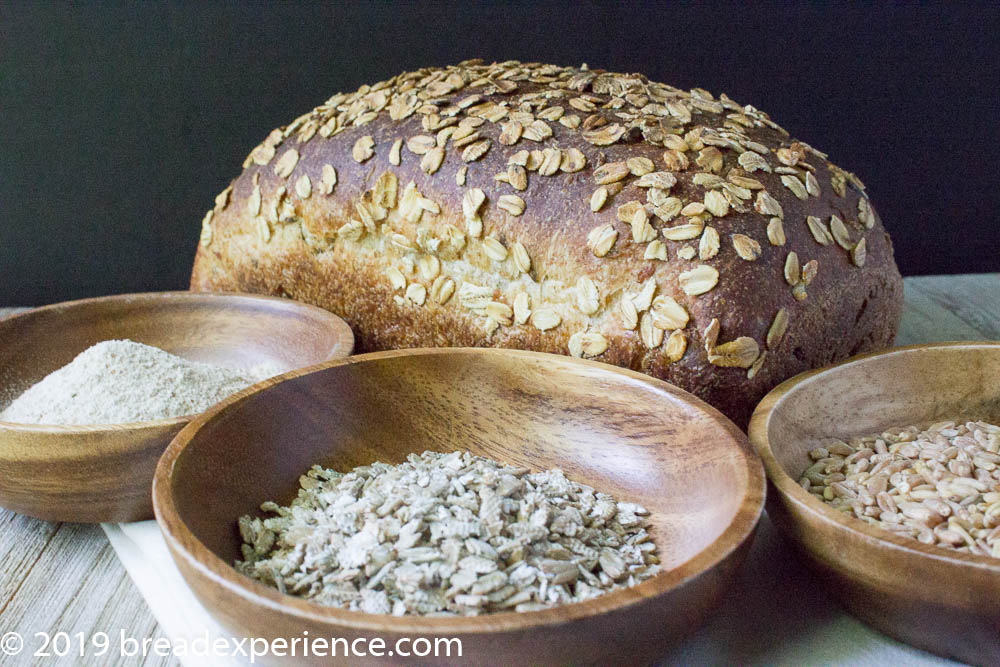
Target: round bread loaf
column 564, row 210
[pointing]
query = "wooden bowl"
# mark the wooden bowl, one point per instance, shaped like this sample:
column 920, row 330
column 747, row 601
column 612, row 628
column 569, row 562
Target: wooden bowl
column 936, row 599
column 621, row 432
column 104, row 473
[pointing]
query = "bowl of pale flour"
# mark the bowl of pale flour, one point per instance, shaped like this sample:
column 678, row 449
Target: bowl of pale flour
column 92, row 391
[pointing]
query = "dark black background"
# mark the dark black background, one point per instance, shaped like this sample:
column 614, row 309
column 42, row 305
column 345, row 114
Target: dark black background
column 120, row 123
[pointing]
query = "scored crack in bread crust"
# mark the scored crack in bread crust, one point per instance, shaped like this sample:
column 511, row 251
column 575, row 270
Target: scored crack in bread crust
column 563, row 210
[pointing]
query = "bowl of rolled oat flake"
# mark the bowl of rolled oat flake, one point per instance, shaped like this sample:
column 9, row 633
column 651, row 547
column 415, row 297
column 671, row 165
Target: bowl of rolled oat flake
column 886, row 476
column 536, row 508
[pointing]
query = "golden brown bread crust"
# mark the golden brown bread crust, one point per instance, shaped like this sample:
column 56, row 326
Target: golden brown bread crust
column 391, row 249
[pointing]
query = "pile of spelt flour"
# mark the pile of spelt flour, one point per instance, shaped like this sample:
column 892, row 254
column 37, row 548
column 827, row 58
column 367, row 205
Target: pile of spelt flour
column 120, row 381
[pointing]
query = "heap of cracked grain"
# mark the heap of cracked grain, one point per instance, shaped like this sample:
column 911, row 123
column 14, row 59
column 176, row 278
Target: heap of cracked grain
column 447, row 534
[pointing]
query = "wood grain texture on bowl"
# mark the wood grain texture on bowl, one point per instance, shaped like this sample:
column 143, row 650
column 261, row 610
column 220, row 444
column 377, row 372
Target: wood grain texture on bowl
column 621, row 432
column 936, row 599
column 97, row 473
column 526, row 205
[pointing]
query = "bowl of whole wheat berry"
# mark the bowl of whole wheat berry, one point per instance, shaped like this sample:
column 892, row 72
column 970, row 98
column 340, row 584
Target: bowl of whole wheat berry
column 528, row 508
column 92, row 391
column 886, row 476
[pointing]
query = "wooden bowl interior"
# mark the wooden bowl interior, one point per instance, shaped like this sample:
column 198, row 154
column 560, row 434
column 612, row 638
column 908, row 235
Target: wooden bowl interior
column 229, row 330
column 908, row 386
column 619, row 433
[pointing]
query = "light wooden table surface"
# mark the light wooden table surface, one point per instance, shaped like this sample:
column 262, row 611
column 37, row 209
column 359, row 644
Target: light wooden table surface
column 63, row 577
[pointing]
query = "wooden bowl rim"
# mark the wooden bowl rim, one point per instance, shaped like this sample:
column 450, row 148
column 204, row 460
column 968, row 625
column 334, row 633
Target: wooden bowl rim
column 789, row 488
column 333, row 321
column 221, row 574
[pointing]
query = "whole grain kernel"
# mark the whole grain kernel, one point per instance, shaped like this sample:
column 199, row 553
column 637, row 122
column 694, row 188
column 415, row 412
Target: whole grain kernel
column 545, row 318
column 699, row 280
column 582, row 344
column 364, row 148
column 776, row 232
column 746, row 247
column 511, row 204
column 676, row 346
column 286, row 163
column 777, row 330
column 601, row 239
column 650, row 334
